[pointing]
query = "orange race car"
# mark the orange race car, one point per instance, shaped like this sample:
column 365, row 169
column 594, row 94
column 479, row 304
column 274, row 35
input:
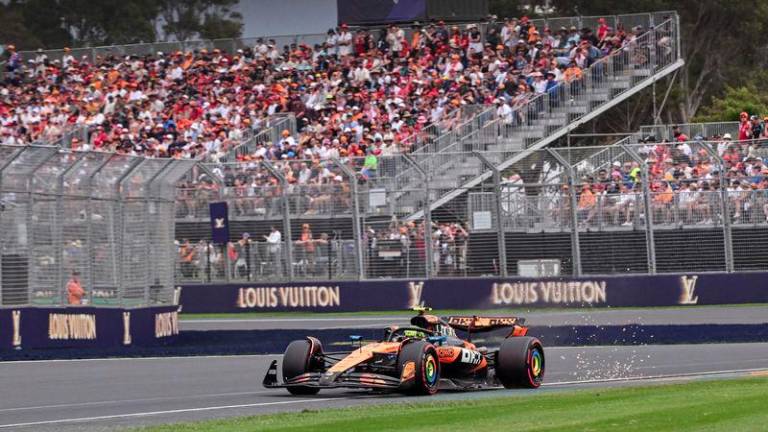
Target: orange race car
column 417, row 359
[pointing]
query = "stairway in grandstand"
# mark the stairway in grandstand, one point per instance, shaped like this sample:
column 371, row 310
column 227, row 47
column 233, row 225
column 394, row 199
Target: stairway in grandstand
column 452, row 169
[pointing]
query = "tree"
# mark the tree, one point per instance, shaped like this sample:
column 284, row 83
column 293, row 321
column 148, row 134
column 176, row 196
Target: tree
column 747, row 98
column 13, row 30
column 189, row 19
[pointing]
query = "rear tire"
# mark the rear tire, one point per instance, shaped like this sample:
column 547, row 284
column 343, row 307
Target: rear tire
column 427, row 368
column 520, row 363
column 299, row 359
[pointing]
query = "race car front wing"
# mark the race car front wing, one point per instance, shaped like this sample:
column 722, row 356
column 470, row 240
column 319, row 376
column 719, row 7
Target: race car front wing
column 329, row 380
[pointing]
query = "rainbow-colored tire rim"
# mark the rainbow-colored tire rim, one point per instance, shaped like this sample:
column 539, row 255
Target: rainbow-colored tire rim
column 537, row 363
column 430, row 370
column 535, row 366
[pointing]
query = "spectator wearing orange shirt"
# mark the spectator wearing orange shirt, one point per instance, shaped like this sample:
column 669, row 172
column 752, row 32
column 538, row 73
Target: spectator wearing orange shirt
column 75, row 291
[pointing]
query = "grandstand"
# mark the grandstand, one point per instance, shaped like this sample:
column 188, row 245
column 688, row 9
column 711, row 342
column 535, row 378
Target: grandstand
column 412, row 153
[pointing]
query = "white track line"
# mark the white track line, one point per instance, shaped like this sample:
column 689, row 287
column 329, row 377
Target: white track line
column 656, row 377
column 224, row 407
column 153, row 399
column 189, row 357
column 154, row 413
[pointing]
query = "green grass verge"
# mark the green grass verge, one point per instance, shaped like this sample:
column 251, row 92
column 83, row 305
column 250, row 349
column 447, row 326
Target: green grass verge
column 723, row 405
column 505, row 311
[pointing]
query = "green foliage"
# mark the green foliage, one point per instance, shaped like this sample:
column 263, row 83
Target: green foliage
column 209, row 19
column 31, row 24
column 13, row 29
column 734, row 101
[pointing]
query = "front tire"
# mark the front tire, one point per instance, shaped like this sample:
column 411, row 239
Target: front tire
column 520, row 363
column 299, row 358
column 426, row 368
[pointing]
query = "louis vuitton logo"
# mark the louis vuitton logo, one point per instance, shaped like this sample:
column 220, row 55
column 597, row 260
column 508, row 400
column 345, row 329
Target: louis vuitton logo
column 127, row 328
column 16, row 317
column 414, row 294
column 688, row 285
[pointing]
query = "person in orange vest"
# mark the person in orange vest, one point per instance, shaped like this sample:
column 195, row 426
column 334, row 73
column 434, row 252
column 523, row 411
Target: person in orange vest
column 75, row 291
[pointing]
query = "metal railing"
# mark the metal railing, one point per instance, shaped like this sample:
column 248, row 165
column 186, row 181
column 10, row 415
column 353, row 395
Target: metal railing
column 96, row 221
column 631, row 207
column 644, row 20
column 548, row 115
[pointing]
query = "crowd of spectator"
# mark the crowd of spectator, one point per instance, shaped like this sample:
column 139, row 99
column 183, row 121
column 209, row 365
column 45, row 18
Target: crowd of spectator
column 360, row 92
column 398, row 248
column 686, row 180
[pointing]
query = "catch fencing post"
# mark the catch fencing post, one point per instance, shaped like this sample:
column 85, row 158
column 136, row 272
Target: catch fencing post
column 3, row 165
column 356, row 227
column 89, row 271
column 725, row 209
column 575, row 244
column 647, row 202
column 502, row 244
column 121, row 231
column 286, row 217
column 427, row 217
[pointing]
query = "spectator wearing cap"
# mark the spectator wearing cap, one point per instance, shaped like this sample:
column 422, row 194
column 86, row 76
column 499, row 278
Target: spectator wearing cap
column 344, row 41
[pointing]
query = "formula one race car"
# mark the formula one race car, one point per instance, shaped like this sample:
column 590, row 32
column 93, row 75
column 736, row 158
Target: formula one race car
column 417, row 359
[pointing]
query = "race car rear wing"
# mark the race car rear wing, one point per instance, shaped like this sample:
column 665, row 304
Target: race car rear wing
column 476, row 324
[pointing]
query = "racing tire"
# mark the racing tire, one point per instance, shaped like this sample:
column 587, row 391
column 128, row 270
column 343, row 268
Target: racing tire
column 299, row 359
column 520, row 363
column 426, row 367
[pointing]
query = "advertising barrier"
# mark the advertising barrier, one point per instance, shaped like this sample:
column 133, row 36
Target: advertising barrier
column 607, row 291
column 86, row 327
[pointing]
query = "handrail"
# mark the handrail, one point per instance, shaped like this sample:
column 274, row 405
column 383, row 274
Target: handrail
column 539, row 100
column 235, row 43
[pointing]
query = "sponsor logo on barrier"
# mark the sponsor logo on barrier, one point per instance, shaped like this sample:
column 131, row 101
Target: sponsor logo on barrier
column 688, row 290
column 126, row 328
column 166, row 324
column 16, row 318
column 177, row 297
column 288, row 297
column 104, row 293
column 551, row 292
column 71, row 326
column 219, row 223
column 414, row 294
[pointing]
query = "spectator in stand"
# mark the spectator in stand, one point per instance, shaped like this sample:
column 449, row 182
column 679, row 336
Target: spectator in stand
column 75, row 291
column 274, row 247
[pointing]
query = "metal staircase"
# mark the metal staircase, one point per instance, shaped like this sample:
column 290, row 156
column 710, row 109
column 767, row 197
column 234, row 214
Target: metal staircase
column 453, row 169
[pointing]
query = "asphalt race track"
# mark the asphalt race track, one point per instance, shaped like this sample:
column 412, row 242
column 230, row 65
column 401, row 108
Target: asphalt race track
column 110, row 393
column 674, row 316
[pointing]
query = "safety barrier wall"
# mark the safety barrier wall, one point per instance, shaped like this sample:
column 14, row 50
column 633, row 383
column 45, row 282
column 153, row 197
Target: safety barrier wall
column 27, row 328
column 597, row 291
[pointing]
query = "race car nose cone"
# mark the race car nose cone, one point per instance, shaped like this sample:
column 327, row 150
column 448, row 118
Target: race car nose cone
column 327, row 378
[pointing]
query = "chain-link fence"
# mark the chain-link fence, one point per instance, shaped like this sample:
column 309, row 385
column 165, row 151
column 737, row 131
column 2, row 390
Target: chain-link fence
column 627, row 208
column 86, row 227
